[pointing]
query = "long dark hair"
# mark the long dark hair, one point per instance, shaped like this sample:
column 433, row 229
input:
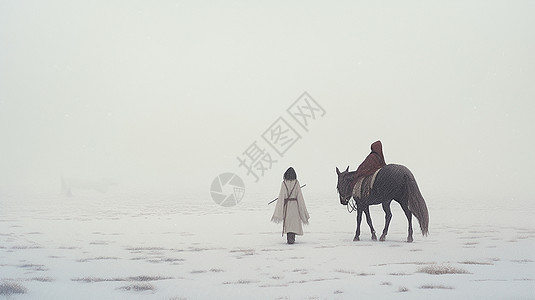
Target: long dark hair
column 290, row 174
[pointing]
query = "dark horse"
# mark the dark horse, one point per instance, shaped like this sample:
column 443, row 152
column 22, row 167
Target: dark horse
column 392, row 182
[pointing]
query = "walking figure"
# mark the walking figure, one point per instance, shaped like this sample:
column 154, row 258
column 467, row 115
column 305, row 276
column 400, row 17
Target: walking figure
column 290, row 208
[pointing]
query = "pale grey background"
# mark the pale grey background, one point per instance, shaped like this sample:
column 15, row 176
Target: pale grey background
column 162, row 96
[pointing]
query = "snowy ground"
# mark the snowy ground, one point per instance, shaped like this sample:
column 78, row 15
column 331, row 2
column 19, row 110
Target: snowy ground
column 118, row 247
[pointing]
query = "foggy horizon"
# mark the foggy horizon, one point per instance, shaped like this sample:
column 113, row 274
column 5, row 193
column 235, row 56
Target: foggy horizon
column 163, row 97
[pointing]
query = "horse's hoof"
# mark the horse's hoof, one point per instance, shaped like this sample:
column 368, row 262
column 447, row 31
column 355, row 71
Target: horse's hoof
column 374, row 238
column 382, row 238
column 409, row 239
column 356, row 239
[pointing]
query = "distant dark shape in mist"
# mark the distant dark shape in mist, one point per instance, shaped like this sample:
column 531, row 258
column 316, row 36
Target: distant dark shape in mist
column 69, row 186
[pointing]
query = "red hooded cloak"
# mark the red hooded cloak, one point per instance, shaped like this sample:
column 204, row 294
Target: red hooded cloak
column 373, row 162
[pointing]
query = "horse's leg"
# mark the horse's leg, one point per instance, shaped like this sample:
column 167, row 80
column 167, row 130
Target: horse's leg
column 388, row 217
column 408, row 213
column 369, row 220
column 359, row 218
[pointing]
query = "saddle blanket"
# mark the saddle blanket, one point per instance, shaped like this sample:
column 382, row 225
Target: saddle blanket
column 364, row 185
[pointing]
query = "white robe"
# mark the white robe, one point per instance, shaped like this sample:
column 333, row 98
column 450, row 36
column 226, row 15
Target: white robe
column 296, row 211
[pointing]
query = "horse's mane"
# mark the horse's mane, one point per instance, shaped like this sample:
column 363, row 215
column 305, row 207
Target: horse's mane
column 348, row 177
column 347, row 180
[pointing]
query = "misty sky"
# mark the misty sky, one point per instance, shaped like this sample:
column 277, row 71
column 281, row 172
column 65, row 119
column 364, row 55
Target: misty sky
column 165, row 95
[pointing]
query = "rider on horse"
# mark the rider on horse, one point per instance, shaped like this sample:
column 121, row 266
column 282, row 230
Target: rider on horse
column 373, row 162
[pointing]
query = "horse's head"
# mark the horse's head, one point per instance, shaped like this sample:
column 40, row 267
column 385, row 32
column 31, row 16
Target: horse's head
column 344, row 185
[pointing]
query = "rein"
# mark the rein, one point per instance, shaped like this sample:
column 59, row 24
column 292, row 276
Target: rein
column 351, row 205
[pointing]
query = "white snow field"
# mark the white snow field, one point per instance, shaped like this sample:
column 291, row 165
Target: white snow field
column 141, row 247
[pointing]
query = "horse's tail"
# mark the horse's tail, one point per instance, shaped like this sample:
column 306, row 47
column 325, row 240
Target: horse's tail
column 417, row 203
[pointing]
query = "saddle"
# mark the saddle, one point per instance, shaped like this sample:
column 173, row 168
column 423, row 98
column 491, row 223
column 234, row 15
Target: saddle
column 364, row 185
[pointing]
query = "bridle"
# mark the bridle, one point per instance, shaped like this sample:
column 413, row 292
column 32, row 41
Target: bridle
column 351, row 204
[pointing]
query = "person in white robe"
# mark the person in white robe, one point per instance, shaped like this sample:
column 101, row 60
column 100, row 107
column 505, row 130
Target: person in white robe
column 290, row 209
